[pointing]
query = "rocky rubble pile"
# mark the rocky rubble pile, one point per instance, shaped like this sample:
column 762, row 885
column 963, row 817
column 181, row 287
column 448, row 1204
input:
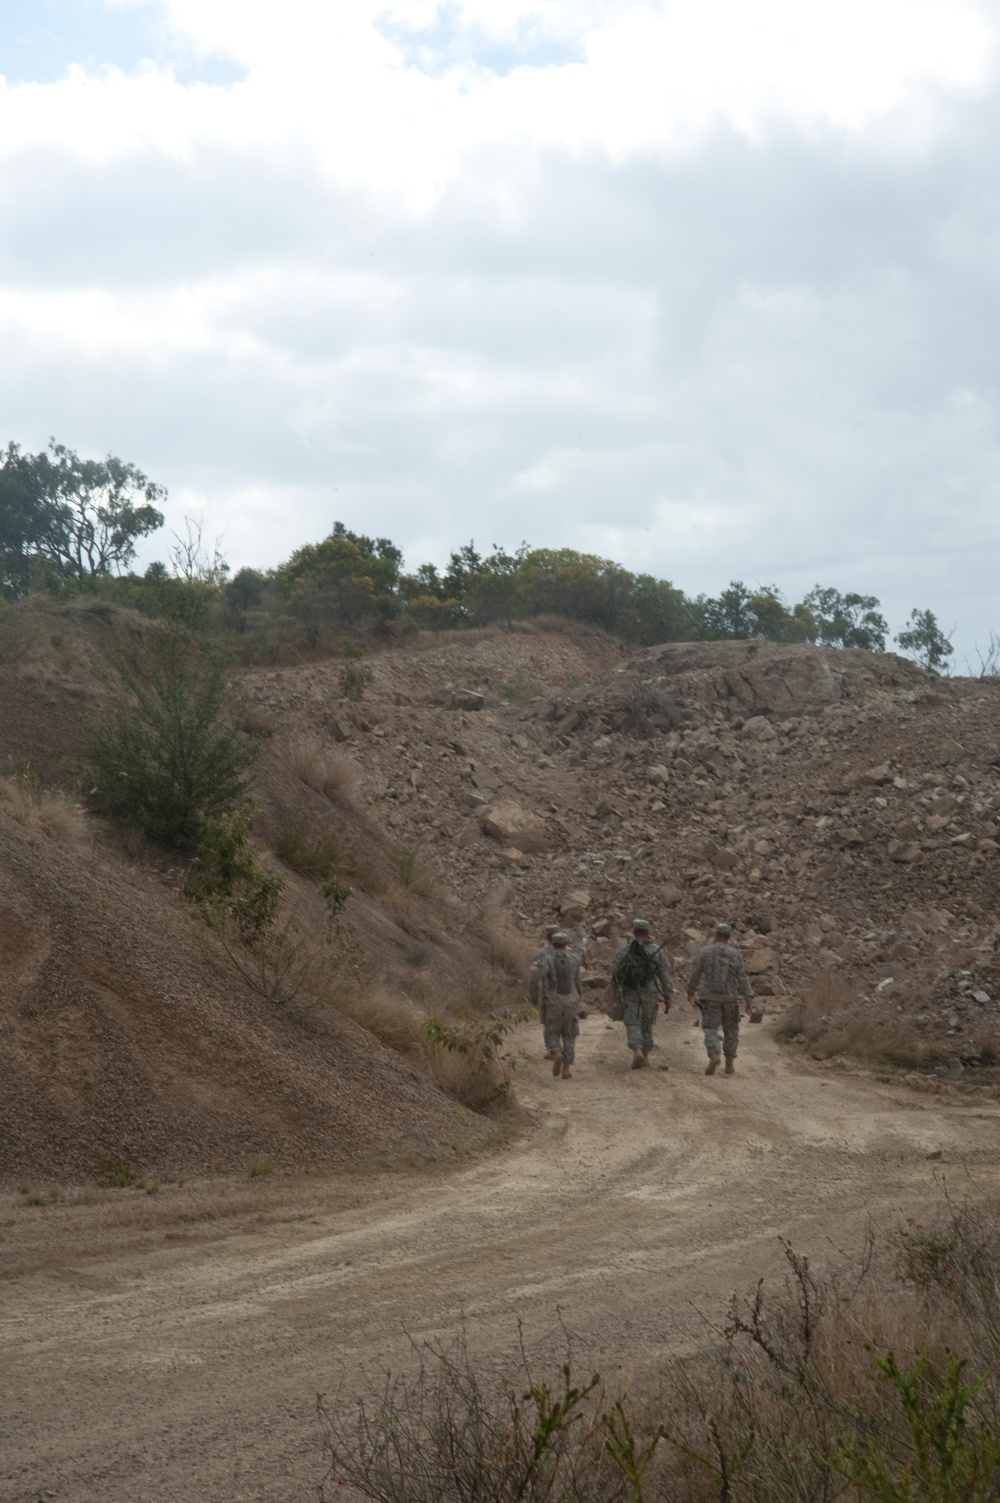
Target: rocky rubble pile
column 840, row 808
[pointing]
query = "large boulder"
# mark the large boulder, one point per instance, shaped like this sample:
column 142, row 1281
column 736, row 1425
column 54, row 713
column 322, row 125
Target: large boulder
column 512, row 825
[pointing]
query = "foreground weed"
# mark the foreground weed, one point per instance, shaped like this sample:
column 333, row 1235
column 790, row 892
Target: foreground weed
column 953, row 1456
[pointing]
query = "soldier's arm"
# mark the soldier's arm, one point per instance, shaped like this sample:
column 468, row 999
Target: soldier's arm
column 663, row 971
column 743, row 980
column 695, row 976
column 616, row 963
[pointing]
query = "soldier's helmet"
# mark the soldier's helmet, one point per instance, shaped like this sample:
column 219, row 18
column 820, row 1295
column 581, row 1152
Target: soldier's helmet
column 724, row 931
column 639, row 926
column 560, row 938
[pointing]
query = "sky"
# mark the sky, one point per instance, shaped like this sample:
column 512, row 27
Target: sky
column 710, row 287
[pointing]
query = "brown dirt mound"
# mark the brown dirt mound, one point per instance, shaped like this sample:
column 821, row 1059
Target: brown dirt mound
column 127, row 1049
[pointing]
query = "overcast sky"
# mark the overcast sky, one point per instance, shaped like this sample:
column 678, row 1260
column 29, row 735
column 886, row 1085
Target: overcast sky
column 711, row 287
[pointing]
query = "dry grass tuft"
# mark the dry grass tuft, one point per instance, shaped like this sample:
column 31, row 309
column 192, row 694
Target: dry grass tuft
column 391, row 1018
column 472, row 1078
column 324, row 770
column 505, row 946
column 42, row 812
column 831, row 1020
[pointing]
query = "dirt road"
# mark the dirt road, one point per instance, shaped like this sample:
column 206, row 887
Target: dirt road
column 189, row 1372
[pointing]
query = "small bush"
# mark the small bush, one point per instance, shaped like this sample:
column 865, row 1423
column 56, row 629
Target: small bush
column 469, row 1057
column 354, row 680
column 116, row 1173
column 518, row 690
column 227, row 881
column 318, row 859
column 505, row 946
column 411, row 874
column 170, row 755
column 324, row 770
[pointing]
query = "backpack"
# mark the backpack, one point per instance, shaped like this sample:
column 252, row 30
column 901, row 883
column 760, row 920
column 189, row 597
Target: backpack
column 637, row 968
column 564, row 969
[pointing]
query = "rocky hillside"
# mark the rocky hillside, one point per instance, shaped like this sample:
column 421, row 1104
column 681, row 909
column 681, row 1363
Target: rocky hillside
column 839, row 807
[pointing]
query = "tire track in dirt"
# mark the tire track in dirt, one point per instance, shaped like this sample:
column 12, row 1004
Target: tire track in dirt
column 640, row 1200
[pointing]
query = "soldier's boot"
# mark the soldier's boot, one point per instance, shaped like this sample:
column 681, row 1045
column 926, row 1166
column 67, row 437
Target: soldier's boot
column 565, row 1070
column 638, row 1059
column 557, row 1062
column 730, row 1067
column 714, row 1061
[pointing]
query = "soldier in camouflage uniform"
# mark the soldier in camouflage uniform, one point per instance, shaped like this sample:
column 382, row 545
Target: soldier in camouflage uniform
column 536, row 991
column 721, row 972
column 560, row 984
column 641, row 993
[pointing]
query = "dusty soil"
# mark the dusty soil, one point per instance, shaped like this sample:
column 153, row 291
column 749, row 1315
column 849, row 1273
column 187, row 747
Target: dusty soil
column 172, row 1347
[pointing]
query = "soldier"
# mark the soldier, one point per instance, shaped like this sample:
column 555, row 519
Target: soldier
column 722, row 973
column 642, row 976
column 536, row 991
column 561, row 991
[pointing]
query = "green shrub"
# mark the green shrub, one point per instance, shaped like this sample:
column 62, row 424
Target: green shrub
column 354, row 680
column 411, row 874
column 319, row 859
column 518, row 690
column 170, row 756
column 228, row 882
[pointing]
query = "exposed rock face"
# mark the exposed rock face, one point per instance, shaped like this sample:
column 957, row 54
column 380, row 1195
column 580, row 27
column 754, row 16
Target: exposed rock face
column 760, row 682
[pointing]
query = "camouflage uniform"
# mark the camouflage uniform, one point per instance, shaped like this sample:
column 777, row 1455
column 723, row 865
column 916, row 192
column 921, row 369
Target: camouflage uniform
column 536, row 990
column 560, row 989
column 721, row 972
column 640, row 1006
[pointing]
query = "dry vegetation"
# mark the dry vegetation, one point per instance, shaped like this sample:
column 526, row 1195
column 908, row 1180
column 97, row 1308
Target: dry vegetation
column 41, row 811
column 877, row 1381
column 505, row 947
column 831, row 1020
column 324, row 770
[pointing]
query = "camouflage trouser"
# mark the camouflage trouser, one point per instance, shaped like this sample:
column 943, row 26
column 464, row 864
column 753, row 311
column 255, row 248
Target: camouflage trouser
column 724, row 1015
column 562, row 1026
column 639, row 1015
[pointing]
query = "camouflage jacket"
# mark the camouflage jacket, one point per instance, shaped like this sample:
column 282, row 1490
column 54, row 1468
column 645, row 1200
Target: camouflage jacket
column 658, row 986
column 720, row 974
column 559, row 979
column 536, row 993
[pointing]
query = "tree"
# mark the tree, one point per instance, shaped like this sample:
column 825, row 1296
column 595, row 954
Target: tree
column 773, row 621
column 343, row 578
column 192, row 560
column 102, row 507
column 77, row 518
column 925, row 640
column 731, row 615
column 244, row 593
column 170, row 755
column 847, row 620
column 27, row 518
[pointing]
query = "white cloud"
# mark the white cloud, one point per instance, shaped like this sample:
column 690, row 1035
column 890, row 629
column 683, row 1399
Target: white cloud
column 327, row 80
column 709, row 287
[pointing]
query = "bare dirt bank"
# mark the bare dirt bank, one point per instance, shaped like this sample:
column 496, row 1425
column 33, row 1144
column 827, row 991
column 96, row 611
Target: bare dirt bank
column 183, row 1368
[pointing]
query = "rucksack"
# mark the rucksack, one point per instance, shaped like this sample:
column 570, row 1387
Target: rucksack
column 564, row 972
column 637, row 967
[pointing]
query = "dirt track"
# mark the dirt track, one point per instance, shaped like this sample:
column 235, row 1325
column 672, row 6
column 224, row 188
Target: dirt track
column 190, row 1372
